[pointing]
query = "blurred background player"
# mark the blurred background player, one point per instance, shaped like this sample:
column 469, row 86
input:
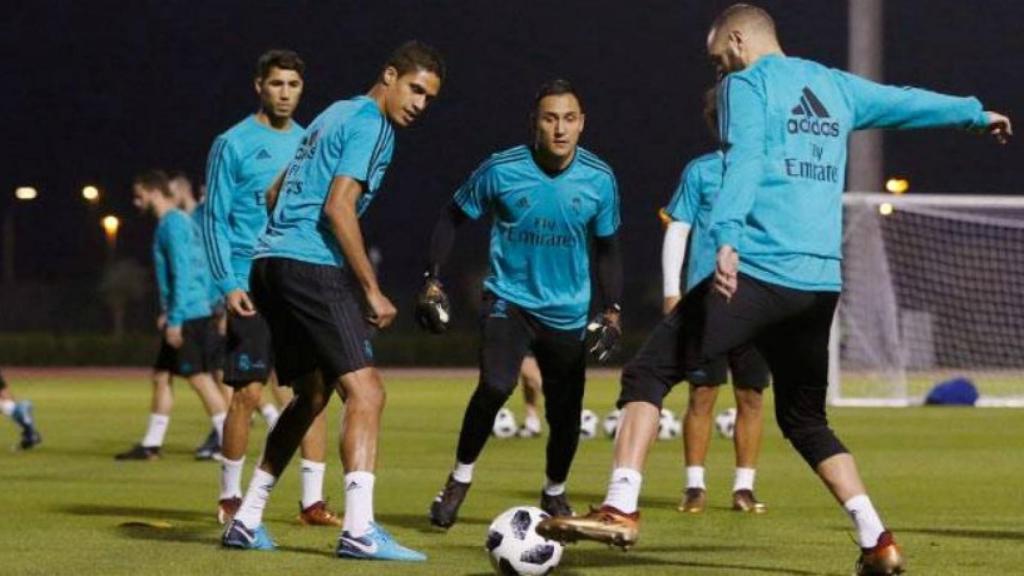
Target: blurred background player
column 242, row 164
column 688, row 212
column 777, row 226
column 187, row 346
column 547, row 200
column 21, row 411
column 531, row 382
column 314, row 283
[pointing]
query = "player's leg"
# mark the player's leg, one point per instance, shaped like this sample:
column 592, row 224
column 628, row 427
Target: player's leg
column 504, row 340
column 161, row 402
column 531, row 382
column 750, row 377
column 696, row 437
column 561, row 356
column 210, row 448
column 21, row 412
column 195, row 363
column 313, row 509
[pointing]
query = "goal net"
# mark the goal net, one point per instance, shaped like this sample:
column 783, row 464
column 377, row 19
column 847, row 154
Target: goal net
column 933, row 289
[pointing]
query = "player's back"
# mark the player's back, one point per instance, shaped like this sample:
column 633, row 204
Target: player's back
column 177, row 234
column 350, row 138
column 691, row 204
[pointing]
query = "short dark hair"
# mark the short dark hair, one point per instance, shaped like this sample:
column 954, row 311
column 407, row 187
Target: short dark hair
column 555, row 87
column 749, row 13
column 278, row 58
column 415, row 55
column 154, row 180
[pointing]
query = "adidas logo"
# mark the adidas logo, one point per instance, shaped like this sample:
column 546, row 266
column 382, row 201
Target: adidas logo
column 810, row 117
column 263, row 154
column 352, row 486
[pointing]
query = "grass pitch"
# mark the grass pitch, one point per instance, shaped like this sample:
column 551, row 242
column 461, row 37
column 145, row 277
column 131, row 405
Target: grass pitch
column 947, row 481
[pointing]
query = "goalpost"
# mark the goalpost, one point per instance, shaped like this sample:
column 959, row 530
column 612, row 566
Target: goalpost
column 933, row 288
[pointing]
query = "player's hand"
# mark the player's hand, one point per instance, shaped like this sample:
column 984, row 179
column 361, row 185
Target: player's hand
column 433, row 310
column 172, row 334
column 382, row 311
column 240, row 304
column 669, row 304
column 999, row 126
column 726, row 271
column 603, row 335
column 161, row 322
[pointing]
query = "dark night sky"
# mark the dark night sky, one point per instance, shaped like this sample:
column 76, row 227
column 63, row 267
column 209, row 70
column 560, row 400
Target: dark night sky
column 102, row 89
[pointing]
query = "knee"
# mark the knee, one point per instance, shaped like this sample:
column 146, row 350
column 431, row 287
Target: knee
column 641, row 384
column 702, row 400
column 161, row 379
column 247, row 398
column 749, row 402
column 494, row 389
column 369, row 398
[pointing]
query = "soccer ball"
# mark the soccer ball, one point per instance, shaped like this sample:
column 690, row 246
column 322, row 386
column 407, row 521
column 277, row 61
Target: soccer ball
column 669, row 426
column 504, row 424
column 588, row 424
column 515, row 547
column 725, row 423
column 611, row 423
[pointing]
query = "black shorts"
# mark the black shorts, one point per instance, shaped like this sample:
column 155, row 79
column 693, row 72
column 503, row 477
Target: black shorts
column 316, row 317
column 249, row 355
column 3, row 383
column 745, row 364
column 198, row 350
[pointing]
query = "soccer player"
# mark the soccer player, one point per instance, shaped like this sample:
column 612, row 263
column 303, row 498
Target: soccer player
column 313, row 282
column 243, row 163
column 21, row 412
column 547, row 201
column 187, row 348
column 777, row 228
column 688, row 212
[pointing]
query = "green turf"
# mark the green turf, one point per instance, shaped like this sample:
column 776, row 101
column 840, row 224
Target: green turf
column 948, row 481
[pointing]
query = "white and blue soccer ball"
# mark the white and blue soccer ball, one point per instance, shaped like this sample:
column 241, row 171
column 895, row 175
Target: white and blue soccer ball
column 669, row 426
column 611, row 423
column 504, row 424
column 588, row 424
column 515, row 547
column 725, row 423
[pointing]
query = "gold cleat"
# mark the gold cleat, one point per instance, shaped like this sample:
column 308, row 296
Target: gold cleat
column 605, row 524
column 694, row 501
column 745, row 501
column 884, row 559
column 318, row 514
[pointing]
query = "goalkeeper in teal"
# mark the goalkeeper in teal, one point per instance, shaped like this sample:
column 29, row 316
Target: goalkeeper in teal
column 547, row 202
column 243, row 163
column 188, row 348
column 777, row 227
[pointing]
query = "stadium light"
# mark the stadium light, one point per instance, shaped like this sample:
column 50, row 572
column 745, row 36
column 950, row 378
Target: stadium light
column 91, row 194
column 110, row 225
column 25, row 193
column 885, row 208
column 897, row 185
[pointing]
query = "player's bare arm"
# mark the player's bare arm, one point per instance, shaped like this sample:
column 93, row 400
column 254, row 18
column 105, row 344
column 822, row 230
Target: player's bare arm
column 340, row 210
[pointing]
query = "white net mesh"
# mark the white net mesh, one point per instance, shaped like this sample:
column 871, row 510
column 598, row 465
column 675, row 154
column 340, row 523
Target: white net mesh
column 933, row 289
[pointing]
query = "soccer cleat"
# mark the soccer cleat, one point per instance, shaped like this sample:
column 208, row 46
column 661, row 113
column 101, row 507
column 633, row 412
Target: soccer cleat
column 605, row 524
column 377, row 544
column 555, row 505
column 527, row 432
column 239, row 537
column 139, row 452
column 445, row 508
column 745, row 501
column 227, row 508
column 318, row 514
column 694, row 501
column 22, row 415
column 883, row 559
column 210, row 447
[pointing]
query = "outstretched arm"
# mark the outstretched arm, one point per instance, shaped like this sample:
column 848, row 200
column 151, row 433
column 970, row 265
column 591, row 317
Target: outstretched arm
column 443, row 237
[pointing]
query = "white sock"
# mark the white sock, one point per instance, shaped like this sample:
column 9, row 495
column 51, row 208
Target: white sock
column 218, row 425
column 624, row 490
column 7, row 407
column 463, row 472
column 695, row 477
column 552, row 488
column 312, row 476
column 251, row 512
column 231, row 478
column 358, row 503
column 744, row 479
column 865, row 519
column 270, row 414
column 156, row 430
column 532, row 423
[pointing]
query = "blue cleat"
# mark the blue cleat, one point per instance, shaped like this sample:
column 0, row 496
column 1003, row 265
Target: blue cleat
column 239, row 537
column 22, row 415
column 377, row 544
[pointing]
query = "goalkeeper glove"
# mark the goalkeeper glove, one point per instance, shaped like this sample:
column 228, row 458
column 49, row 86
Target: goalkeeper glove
column 603, row 334
column 432, row 308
